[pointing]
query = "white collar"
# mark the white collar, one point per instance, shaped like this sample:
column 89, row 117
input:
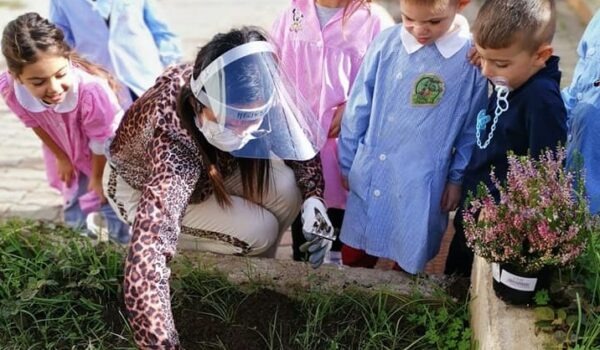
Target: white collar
column 448, row 44
column 33, row 104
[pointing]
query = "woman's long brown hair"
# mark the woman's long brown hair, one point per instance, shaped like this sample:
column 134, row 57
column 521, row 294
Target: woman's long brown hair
column 255, row 173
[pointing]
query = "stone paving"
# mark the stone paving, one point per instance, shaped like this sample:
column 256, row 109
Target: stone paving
column 23, row 188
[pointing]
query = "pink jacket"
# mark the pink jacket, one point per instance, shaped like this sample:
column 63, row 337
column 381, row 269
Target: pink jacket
column 83, row 121
column 322, row 64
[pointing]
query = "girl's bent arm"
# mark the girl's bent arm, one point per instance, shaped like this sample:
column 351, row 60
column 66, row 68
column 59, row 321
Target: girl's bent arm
column 49, row 142
column 95, row 184
column 66, row 171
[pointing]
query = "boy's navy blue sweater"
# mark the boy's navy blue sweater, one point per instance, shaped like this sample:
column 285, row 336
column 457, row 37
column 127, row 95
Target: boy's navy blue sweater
column 535, row 120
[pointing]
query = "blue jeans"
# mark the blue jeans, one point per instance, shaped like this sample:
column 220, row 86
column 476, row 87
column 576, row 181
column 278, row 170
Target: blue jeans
column 75, row 218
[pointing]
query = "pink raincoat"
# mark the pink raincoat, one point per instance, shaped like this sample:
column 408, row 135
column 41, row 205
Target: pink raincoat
column 322, row 64
column 83, row 121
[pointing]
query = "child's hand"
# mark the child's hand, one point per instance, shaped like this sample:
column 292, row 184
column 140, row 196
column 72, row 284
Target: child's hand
column 66, row 171
column 96, row 186
column 451, row 197
column 474, row 57
column 336, row 123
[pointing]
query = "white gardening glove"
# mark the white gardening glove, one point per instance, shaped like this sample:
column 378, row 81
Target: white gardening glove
column 317, row 230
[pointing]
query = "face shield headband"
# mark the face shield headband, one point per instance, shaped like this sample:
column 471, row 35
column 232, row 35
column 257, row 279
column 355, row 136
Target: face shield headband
column 256, row 111
column 222, row 109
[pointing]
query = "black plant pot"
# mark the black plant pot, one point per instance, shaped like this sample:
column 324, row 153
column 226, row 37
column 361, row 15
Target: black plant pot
column 516, row 287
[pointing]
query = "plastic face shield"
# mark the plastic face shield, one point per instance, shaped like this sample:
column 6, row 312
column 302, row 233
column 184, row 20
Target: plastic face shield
column 250, row 98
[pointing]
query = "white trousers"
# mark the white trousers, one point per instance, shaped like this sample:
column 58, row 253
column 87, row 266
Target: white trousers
column 244, row 228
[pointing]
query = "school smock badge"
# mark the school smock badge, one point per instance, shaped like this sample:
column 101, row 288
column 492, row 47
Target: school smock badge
column 428, row 90
column 297, row 18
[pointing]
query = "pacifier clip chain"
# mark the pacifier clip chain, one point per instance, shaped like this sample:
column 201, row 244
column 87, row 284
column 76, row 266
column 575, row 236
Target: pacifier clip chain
column 483, row 118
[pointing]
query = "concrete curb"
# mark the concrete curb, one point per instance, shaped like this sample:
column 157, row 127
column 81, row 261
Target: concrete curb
column 289, row 277
column 584, row 9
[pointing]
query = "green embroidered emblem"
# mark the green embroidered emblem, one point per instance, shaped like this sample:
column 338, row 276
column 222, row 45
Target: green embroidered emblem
column 428, row 90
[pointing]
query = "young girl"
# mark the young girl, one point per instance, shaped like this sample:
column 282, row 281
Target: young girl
column 68, row 103
column 322, row 44
column 407, row 136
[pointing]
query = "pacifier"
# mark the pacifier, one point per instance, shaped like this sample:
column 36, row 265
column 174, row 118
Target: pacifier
column 501, row 84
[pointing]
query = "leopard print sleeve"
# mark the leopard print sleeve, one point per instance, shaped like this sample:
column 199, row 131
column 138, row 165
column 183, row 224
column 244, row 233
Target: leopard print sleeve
column 309, row 176
column 175, row 170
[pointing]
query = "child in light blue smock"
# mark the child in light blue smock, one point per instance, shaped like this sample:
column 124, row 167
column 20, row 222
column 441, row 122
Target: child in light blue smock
column 582, row 100
column 407, row 135
column 129, row 38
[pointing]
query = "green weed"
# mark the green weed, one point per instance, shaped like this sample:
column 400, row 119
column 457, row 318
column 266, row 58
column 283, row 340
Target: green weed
column 57, row 291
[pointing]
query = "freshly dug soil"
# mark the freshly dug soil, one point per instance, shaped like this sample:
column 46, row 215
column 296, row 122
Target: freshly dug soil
column 252, row 318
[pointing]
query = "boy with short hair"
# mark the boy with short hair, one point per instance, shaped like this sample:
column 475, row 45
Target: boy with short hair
column 526, row 114
column 407, row 136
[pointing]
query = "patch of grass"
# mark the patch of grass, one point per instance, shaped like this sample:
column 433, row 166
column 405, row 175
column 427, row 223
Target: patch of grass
column 58, row 291
column 573, row 311
column 588, row 274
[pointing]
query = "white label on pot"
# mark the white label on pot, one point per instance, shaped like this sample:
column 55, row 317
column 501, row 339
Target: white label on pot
column 516, row 282
column 496, row 271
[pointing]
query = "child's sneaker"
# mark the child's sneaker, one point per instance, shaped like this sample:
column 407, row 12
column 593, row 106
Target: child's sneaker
column 96, row 227
column 88, row 234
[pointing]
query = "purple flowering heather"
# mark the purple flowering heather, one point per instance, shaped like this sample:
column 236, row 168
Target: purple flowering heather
column 542, row 219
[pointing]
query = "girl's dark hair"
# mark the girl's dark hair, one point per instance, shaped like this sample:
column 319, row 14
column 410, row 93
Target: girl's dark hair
column 255, row 173
column 25, row 37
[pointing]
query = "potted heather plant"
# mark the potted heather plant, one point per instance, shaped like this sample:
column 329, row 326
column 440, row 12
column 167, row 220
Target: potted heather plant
column 541, row 221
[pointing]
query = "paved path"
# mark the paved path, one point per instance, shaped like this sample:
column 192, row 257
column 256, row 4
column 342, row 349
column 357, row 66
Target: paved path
column 23, row 188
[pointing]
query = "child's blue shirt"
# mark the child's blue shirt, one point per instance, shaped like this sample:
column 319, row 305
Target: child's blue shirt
column 587, row 70
column 408, row 130
column 136, row 44
column 582, row 100
column 583, row 149
column 535, row 120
